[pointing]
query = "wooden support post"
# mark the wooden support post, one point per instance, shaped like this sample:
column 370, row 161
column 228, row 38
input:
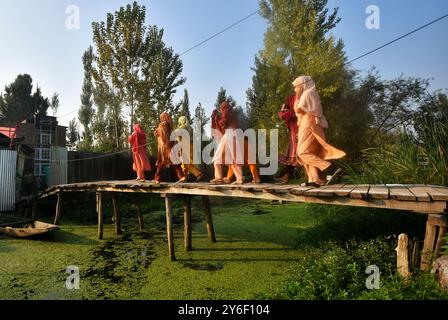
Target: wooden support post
column 115, row 204
column 208, row 218
column 187, row 223
column 34, row 211
column 139, row 213
column 435, row 228
column 403, row 256
column 58, row 209
column 99, row 210
column 169, row 226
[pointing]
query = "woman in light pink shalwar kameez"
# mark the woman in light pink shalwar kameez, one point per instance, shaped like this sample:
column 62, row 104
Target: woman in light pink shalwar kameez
column 312, row 149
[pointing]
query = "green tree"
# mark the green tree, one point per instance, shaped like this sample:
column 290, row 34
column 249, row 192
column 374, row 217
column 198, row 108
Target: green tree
column 72, row 135
column 185, row 106
column 200, row 117
column 54, row 104
column 222, row 96
column 86, row 111
column 133, row 71
column 18, row 103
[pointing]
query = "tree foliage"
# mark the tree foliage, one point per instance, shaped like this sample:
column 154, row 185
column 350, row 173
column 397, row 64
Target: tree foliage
column 19, row 103
column 135, row 76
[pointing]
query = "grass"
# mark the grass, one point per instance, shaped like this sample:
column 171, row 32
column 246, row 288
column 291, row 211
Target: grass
column 264, row 251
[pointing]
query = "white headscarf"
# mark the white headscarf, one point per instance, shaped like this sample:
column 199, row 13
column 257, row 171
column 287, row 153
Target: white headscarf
column 310, row 100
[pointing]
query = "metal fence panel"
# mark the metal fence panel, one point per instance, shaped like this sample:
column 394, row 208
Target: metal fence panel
column 8, row 161
column 58, row 166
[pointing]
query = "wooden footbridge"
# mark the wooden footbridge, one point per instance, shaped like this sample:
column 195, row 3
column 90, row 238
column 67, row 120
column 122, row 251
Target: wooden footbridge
column 424, row 199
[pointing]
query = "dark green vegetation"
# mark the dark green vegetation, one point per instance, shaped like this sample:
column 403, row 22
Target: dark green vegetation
column 264, row 250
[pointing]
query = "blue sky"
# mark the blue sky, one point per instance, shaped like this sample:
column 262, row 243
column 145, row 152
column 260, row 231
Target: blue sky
column 35, row 40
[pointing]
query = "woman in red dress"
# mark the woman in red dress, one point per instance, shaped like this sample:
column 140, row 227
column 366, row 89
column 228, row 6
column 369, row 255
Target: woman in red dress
column 138, row 143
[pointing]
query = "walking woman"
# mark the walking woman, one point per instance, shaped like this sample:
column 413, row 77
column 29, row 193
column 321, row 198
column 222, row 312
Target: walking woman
column 140, row 159
column 230, row 149
column 164, row 145
column 190, row 167
column 313, row 152
column 289, row 159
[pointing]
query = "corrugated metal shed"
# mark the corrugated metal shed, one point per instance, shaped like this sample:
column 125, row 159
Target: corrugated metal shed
column 58, row 166
column 8, row 161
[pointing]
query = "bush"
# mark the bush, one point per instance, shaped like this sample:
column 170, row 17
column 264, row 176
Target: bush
column 338, row 272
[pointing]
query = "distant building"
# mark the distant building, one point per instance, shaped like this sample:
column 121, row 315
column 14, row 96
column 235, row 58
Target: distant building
column 42, row 133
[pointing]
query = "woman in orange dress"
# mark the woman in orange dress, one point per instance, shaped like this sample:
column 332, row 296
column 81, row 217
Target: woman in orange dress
column 313, row 152
column 138, row 142
column 164, row 146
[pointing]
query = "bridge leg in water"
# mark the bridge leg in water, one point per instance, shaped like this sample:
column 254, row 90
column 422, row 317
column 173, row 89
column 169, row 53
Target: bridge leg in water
column 139, row 214
column 99, row 210
column 436, row 227
column 58, row 209
column 187, row 223
column 169, row 226
column 116, row 206
column 208, row 218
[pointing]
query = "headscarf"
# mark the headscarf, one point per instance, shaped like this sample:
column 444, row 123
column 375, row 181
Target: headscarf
column 140, row 137
column 165, row 117
column 310, row 100
column 182, row 123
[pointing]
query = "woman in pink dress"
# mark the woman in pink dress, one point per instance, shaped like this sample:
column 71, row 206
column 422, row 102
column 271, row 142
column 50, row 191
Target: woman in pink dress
column 313, row 152
column 230, row 150
column 138, row 143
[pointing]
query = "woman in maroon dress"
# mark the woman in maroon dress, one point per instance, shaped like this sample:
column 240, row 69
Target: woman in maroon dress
column 289, row 159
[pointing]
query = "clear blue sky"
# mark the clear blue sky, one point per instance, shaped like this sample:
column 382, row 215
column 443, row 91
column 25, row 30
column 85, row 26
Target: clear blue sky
column 35, row 40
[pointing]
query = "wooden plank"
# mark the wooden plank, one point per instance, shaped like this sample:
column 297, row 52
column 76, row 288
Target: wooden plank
column 208, row 218
column 361, row 191
column 437, row 193
column 324, row 191
column 345, row 190
column 298, row 191
column 378, row 192
column 400, row 192
column 169, row 227
column 277, row 189
column 420, row 192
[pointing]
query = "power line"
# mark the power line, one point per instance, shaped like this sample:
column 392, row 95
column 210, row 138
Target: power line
column 384, row 45
column 220, row 32
column 399, row 38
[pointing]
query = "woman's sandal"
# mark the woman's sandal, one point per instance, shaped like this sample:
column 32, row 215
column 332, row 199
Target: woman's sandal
column 216, row 181
column 311, row 184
